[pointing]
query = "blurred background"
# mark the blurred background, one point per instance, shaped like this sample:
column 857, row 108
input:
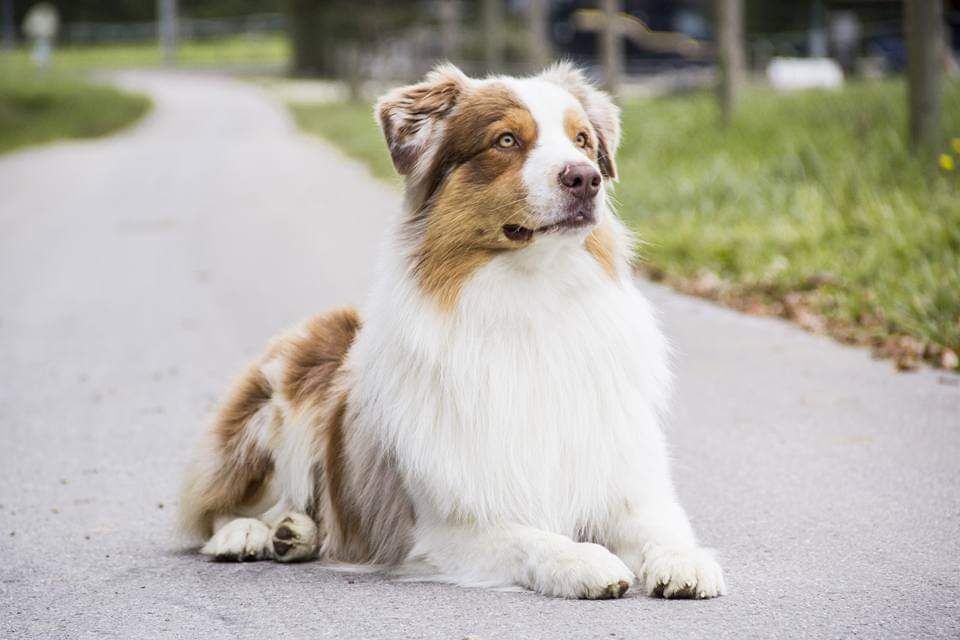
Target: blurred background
column 790, row 158
column 620, row 41
column 182, row 179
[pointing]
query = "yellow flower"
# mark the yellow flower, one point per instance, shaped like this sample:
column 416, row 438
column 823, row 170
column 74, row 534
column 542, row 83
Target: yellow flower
column 946, row 162
column 955, row 143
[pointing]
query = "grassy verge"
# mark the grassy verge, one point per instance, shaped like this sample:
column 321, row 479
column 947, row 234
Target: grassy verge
column 37, row 108
column 351, row 128
column 235, row 51
column 809, row 207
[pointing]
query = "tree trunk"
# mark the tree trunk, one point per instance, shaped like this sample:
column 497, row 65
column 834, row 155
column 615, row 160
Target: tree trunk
column 493, row 35
column 319, row 31
column 167, row 30
column 541, row 51
column 449, row 29
column 923, row 23
column 9, row 37
column 730, row 56
column 611, row 46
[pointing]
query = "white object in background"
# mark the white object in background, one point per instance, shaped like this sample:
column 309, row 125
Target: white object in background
column 41, row 24
column 790, row 74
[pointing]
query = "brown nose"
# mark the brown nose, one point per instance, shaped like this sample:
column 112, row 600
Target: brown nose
column 581, row 180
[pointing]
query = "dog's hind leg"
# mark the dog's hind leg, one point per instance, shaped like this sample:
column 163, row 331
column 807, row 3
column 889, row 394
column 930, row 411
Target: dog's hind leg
column 252, row 491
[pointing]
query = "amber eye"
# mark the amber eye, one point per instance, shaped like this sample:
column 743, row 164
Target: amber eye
column 582, row 139
column 506, row 140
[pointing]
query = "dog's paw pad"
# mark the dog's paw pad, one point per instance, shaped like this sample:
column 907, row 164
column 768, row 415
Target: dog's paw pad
column 294, row 538
column 614, row 591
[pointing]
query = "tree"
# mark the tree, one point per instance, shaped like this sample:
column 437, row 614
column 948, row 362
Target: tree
column 923, row 23
column 492, row 35
column 611, row 46
column 329, row 37
column 8, row 37
column 730, row 55
column 167, row 29
column 316, row 26
column 539, row 32
column 449, row 29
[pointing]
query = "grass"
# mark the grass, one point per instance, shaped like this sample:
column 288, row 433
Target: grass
column 810, row 201
column 351, row 128
column 234, row 51
column 42, row 107
column 809, row 206
column 59, row 102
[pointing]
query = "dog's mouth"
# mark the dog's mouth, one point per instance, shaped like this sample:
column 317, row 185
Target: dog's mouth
column 577, row 220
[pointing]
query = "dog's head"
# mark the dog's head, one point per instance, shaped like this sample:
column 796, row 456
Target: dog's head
column 500, row 164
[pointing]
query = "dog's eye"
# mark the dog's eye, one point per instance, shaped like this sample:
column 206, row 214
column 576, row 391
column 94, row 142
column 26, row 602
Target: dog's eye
column 582, row 140
column 506, row 140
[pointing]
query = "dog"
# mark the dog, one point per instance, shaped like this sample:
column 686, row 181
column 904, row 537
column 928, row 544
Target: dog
column 495, row 418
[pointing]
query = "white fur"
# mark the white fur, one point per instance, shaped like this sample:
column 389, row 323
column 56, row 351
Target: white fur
column 530, row 416
column 534, row 409
column 242, row 538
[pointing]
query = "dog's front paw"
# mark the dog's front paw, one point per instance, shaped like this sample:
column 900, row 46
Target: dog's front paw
column 675, row 572
column 585, row 570
column 295, row 538
column 240, row 540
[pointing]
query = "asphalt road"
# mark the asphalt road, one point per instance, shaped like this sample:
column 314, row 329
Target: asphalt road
column 139, row 272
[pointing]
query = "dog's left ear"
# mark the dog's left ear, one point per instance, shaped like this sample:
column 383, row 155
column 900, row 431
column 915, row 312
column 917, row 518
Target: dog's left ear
column 603, row 113
column 412, row 118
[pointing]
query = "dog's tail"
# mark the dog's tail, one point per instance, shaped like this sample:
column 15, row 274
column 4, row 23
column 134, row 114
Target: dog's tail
column 233, row 470
column 232, row 465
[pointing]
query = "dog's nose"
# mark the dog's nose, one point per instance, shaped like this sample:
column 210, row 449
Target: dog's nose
column 580, row 179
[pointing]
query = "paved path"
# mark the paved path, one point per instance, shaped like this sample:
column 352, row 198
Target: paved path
column 139, row 272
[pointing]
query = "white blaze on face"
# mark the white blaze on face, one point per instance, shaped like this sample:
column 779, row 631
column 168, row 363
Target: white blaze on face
column 548, row 103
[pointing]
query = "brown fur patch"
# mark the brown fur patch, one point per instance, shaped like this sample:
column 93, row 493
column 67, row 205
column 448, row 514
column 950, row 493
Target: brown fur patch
column 602, row 246
column 352, row 544
column 402, row 113
column 470, row 131
column 312, row 357
column 574, row 123
column 475, row 189
column 248, row 466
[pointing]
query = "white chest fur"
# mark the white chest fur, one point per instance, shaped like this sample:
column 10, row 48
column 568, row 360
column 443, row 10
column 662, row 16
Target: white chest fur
column 536, row 401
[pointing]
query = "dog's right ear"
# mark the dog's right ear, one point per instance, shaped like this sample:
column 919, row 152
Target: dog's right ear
column 412, row 118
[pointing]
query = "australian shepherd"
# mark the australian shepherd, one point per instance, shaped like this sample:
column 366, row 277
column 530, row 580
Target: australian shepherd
column 495, row 417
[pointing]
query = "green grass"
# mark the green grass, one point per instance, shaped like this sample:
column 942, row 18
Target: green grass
column 235, row 51
column 811, row 194
column 351, row 128
column 59, row 102
column 818, row 186
column 42, row 107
